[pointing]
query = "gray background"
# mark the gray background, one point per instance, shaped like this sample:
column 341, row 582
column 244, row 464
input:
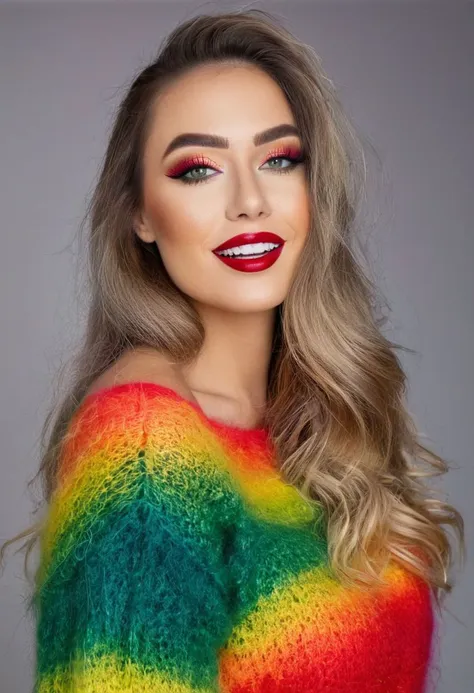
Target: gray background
column 404, row 71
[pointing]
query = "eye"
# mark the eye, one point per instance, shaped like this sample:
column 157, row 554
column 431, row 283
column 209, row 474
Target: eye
column 293, row 162
column 197, row 178
column 186, row 169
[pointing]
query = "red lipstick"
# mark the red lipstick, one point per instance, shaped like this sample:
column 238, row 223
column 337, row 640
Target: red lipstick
column 253, row 263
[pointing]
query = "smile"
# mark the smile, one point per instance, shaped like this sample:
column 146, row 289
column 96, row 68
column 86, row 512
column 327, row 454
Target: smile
column 251, row 257
column 251, row 250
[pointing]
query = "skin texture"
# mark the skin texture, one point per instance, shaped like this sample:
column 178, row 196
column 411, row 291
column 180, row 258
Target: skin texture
column 240, row 193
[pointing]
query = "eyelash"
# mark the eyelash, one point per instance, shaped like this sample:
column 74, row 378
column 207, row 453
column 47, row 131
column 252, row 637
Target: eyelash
column 200, row 162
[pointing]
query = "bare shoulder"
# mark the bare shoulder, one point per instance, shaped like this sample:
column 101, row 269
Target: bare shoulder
column 145, row 365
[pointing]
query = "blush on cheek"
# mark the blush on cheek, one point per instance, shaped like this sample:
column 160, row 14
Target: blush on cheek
column 177, row 236
column 302, row 212
column 164, row 220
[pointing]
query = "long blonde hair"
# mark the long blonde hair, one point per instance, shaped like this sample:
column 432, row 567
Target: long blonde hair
column 335, row 401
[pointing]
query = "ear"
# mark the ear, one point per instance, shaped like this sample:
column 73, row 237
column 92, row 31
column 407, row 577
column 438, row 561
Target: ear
column 142, row 228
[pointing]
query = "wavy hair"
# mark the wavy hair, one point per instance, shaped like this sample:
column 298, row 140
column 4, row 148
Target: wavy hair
column 336, row 408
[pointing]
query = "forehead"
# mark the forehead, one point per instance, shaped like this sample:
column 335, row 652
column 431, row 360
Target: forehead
column 234, row 101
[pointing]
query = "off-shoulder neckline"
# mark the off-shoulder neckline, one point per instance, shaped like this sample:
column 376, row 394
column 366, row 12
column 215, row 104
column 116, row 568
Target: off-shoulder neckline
column 257, row 433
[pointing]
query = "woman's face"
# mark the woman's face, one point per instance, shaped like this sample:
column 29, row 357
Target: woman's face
column 199, row 194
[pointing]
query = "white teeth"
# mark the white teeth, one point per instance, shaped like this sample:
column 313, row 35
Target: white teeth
column 249, row 249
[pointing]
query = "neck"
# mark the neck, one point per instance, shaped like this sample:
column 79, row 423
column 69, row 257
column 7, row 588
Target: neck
column 232, row 365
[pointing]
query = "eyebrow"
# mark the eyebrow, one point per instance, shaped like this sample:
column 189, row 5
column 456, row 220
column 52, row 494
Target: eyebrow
column 187, row 139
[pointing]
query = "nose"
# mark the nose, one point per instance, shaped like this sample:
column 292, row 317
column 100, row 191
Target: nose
column 246, row 197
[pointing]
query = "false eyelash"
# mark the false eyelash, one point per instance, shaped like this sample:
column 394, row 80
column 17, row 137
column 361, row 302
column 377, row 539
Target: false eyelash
column 287, row 169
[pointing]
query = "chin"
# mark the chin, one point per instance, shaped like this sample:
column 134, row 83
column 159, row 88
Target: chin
column 248, row 305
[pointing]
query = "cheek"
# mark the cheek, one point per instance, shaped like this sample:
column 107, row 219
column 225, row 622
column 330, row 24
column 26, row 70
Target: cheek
column 295, row 207
column 302, row 210
column 177, row 225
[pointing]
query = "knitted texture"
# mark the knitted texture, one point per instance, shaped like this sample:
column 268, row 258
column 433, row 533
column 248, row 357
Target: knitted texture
column 174, row 558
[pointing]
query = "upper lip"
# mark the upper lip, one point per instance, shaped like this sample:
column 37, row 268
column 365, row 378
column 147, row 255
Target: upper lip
column 244, row 238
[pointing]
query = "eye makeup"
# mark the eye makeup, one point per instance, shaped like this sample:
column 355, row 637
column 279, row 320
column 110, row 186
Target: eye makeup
column 291, row 153
column 190, row 163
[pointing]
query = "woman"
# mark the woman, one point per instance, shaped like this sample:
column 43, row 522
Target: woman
column 234, row 491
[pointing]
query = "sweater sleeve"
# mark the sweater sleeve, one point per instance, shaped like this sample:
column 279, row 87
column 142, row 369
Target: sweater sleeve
column 132, row 587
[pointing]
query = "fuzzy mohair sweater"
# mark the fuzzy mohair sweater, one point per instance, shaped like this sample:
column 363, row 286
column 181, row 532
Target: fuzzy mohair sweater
column 175, row 559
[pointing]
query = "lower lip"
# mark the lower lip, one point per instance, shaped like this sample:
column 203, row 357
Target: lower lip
column 256, row 264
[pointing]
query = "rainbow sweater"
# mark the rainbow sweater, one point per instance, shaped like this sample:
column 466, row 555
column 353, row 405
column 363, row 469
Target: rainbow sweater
column 175, row 559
